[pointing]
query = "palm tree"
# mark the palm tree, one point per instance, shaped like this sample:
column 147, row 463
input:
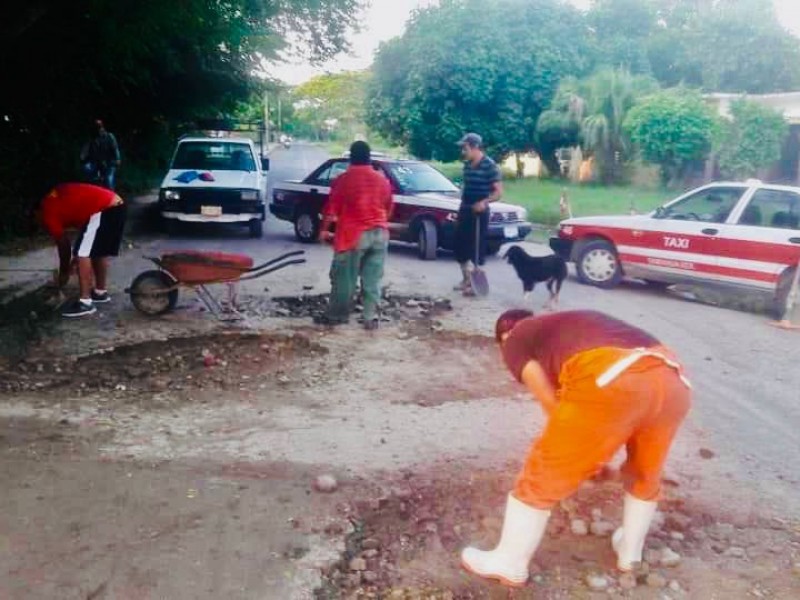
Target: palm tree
column 605, row 99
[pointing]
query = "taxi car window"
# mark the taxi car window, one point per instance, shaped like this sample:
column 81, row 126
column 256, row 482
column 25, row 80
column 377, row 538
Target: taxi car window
column 778, row 209
column 420, row 177
column 328, row 174
column 712, row 205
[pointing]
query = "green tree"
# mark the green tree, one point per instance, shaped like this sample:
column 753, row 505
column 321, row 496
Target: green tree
column 620, row 30
column 673, row 129
column 490, row 66
column 723, row 46
column 146, row 67
column 333, row 104
column 751, row 140
column 560, row 125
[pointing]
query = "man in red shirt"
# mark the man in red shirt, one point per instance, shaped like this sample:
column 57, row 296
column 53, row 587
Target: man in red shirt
column 604, row 384
column 359, row 204
column 99, row 213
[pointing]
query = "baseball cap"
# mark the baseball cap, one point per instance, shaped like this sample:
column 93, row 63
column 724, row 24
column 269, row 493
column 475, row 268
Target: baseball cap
column 471, row 139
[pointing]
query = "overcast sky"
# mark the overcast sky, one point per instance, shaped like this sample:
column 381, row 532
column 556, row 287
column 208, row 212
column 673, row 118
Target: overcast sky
column 386, row 19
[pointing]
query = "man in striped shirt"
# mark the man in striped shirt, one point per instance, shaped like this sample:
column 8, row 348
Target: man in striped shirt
column 481, row 187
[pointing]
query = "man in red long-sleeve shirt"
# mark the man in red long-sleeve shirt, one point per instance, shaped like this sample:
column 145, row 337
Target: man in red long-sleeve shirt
column 360, row 204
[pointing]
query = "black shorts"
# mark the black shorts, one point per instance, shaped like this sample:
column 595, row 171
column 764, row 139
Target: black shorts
column 102, row 235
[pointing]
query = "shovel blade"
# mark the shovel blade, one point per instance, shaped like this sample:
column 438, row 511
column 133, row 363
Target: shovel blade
column 479, row 281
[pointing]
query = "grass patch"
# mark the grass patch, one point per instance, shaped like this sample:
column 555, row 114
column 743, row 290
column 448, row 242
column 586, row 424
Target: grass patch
column 541, row 198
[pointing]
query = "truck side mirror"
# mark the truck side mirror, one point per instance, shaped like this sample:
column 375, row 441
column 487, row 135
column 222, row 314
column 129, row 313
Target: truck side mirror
column 264, row 163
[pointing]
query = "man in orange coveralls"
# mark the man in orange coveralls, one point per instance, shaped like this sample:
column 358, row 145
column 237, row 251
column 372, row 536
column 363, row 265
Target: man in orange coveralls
column 603, row 384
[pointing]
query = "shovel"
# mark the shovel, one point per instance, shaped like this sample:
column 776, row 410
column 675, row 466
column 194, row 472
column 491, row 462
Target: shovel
column 477, row 277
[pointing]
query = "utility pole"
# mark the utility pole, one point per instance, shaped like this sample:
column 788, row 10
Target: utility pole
column 266, row 116
column 280, row 120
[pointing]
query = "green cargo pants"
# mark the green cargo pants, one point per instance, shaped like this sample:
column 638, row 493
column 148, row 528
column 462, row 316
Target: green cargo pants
column 365, row 261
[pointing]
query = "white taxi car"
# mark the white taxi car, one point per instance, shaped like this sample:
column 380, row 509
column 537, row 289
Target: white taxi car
column 744, row 235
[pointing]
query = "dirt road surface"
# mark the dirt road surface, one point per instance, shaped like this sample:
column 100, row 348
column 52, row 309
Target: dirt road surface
column 177, row 457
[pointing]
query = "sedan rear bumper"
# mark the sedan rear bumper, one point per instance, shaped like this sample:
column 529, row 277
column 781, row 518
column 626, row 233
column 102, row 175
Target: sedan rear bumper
column 562, row 247
column 497, row 234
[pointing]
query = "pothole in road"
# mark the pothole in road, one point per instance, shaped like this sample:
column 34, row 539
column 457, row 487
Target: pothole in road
column 405, row 544
column 394, row 308
column 184, row 365
column 27, row 319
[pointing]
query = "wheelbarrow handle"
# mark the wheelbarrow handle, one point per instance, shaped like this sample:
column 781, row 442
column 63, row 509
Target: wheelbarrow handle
column 255, row 274
column 276, row 260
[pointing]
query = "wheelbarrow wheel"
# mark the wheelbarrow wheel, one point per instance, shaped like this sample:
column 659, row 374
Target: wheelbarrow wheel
column 154, row 293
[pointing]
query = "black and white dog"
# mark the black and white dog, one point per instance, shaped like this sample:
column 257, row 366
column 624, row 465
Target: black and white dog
column 535, row 269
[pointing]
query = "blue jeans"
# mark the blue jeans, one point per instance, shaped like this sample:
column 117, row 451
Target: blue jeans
column 99, row 176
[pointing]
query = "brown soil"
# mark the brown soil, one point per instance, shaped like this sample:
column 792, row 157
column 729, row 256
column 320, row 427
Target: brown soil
column 410, row 538
column 179, row 365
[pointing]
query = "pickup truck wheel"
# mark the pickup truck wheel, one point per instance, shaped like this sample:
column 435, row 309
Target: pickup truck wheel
column 306, row 227
column 427, row 240
column 170, row 226
column 256, row 227
column 598, row 265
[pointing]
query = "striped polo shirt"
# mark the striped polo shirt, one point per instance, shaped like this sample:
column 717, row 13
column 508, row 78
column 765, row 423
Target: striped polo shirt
column 479, row 180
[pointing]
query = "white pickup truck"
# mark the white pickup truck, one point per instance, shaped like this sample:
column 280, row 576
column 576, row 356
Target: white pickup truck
column 215, row 180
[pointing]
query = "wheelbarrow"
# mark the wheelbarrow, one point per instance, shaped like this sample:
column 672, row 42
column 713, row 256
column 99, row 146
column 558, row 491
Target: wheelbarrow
column 155, row 292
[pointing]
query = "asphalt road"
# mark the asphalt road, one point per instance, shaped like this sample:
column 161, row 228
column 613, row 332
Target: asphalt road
column 747, row 384
column 395, row 404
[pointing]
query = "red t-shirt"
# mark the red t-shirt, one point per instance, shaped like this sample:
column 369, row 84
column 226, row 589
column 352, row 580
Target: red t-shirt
column 360, row 200
column 72, row 205
column 551, row 340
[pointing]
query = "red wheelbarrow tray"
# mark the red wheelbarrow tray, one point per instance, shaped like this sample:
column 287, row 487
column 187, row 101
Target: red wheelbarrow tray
column 194, row 267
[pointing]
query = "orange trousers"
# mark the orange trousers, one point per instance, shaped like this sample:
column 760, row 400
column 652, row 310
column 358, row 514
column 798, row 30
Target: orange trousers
column 642, row 409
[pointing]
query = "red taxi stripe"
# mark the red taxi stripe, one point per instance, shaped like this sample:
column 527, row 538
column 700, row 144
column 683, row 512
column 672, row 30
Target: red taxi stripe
column 697, row 267
column 770, row 252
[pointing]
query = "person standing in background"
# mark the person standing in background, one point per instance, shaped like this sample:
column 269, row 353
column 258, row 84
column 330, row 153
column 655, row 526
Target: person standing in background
column 101, row 158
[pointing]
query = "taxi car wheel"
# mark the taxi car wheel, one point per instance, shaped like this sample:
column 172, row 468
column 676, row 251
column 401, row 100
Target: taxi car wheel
column 781, row 298
column 427, row 240
column 598, row 264
column 306, row 227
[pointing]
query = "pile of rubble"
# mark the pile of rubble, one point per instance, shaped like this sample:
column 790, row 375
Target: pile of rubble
column 222, row 361
column 394, row 308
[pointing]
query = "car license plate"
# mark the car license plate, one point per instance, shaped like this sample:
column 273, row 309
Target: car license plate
column 511, row 231
column 211, row 211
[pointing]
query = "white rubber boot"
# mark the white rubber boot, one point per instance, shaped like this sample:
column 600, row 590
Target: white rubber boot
column 523, row 529
column 628, row 540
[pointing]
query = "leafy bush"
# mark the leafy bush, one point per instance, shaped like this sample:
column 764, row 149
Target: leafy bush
column 672, row 129
column 752, row 140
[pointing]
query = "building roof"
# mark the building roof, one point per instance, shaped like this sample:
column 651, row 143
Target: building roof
column 787, row 103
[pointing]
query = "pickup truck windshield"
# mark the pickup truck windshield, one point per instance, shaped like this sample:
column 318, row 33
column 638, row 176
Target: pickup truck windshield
column 210, row 156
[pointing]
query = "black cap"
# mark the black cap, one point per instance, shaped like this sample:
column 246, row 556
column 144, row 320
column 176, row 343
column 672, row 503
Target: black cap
column 471, row 139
